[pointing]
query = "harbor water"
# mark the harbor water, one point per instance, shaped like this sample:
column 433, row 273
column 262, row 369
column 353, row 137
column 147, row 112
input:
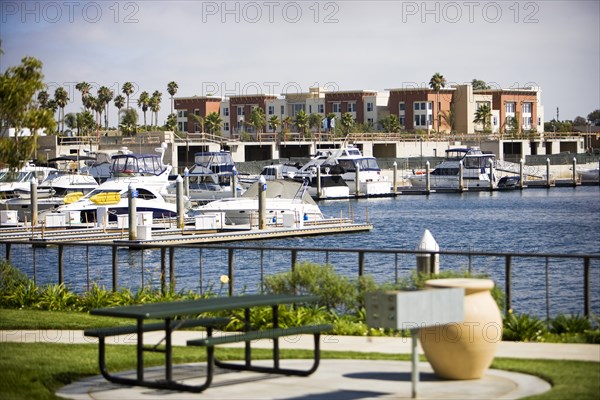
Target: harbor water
column 532, row 221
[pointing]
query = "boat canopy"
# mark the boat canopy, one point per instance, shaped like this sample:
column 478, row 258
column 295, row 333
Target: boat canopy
column 137, row 164
column 217, row 162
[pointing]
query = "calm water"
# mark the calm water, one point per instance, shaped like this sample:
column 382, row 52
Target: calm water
column 560, row 220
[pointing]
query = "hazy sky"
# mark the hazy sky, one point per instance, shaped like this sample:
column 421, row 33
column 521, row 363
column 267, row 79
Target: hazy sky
column 225, row 48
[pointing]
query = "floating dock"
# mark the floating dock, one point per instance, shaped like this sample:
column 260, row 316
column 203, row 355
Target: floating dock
column 229, row 233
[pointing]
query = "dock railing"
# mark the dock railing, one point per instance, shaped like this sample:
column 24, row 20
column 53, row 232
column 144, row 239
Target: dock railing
column 520, row 275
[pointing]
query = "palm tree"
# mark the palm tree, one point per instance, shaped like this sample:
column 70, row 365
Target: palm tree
column 258, row 119
column 105, row 95
column 155, row 104
column 198, row 119
column 98, row 106
column 390, row 124
column 483, row 116
column 119, row 103
column 286, row 123
column 43, row 97
column 449, row 117
column 127, row 89
column 274, row 123
column 84, row 88
column 347, row 122
column 213, row 123
column 315, row 121
column 302, row 122
column 437, row 82
column 61, row 97
column 172, row 89
column 128, row 121
column 171, row 122
column 143, row 103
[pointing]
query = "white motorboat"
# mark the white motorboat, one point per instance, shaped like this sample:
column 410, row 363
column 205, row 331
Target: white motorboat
column 287, row 203
column 331, row 187
column 99, row 163
column 210, row 177
column 477, row 168
column 14, row 184
column 588, row 174
column 342, row 162
column 145, row 172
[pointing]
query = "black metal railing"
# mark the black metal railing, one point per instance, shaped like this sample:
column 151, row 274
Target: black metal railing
column 582, row 269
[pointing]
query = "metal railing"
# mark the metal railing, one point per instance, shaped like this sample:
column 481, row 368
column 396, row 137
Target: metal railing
column 353, row 261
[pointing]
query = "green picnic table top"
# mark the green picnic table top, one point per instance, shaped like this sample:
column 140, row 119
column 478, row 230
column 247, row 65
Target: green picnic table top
column 192, row 307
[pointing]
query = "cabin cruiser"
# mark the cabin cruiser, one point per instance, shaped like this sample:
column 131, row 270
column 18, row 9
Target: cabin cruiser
column 144, row 172
column 477, row 169
column 338, row 162
column 287, row 203
column 588, row 174
column 332, row 186
column 98, row 164
column 211, row 176
column 14, row 184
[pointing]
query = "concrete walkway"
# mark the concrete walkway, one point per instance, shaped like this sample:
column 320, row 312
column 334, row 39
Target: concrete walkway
column 335, row 379
column 547, row 351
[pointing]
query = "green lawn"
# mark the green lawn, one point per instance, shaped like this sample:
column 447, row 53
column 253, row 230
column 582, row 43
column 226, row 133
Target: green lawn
column 37, row 370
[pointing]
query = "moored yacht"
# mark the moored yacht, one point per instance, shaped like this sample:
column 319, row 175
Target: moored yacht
column 285, row 201
column 477, row 168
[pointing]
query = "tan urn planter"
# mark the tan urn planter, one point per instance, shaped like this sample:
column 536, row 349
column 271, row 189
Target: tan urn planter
column 464, row 350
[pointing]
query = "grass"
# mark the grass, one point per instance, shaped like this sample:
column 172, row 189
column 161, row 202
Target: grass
column 38, row 370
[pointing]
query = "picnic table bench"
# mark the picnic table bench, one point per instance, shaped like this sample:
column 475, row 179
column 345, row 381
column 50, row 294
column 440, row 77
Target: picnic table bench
column 172, row 313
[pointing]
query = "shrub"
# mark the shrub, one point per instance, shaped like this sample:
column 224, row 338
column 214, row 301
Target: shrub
column 336, row 292
column 569, row 324
column 523, row 328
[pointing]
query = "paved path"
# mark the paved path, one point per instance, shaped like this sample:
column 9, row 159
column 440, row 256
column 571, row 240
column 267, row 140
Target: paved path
column 556, row 351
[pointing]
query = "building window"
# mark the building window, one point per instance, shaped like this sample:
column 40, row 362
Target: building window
column 182, row 113
column 430, row 105
column 495, row 121
column 539, row 121
column 402, row 106
column 271, row 110
column 321, row 108
column 296, row 108
column 226, row 111
column 424, row 105
column 401, row 121
column 369, row 107
column 417, row 106
column 423, row 119
column 335, row 107
column 370, row 121
column 351, row 107
column 282, row 110
column 226, row 126
column 510, row 107
column 240, row 110
column 526, row 108
column 310, row 108
column 417, row 120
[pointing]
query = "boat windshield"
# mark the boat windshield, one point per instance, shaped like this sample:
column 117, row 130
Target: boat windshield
column 365, row 164
column 16, row 176
column 137, row 165
column 213, row 163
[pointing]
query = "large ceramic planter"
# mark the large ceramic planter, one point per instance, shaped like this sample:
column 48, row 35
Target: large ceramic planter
column 464, row 350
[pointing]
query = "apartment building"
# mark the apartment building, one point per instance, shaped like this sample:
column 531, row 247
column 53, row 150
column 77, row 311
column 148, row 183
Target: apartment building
column 421, row 108
column 195, row 105
column 453, row 109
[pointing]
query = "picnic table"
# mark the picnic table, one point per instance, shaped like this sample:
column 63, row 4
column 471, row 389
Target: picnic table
column 184, row 314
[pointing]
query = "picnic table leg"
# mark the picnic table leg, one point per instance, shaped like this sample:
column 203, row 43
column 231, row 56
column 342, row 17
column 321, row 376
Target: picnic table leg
column 168, row 351
column 140, row 350
column 247, row 349
column 275, row 340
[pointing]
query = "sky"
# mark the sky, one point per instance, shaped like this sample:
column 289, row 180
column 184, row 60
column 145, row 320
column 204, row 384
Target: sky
column 228, row 48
